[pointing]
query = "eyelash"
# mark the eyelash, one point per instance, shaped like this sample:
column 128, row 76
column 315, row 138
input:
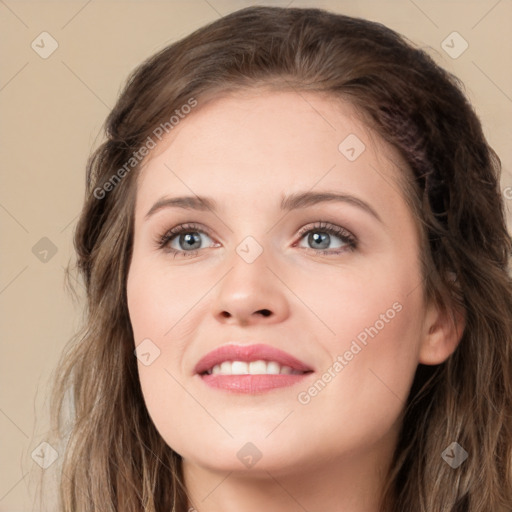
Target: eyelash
column 321, row 226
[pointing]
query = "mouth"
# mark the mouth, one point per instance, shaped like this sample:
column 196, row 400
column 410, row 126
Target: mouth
column 250, row 368
column 256, row 359
column 258, row 367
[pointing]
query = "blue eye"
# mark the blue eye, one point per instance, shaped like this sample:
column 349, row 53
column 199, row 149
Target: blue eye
column 188, row 236
column 320, row 235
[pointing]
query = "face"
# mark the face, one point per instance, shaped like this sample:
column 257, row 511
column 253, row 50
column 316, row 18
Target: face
column 334, row 283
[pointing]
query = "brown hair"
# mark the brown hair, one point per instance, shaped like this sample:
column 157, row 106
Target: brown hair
column 115, row 460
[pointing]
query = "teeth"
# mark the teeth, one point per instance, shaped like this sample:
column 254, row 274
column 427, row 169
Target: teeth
column 259, row 367
column 239, row 368
column 273, row 368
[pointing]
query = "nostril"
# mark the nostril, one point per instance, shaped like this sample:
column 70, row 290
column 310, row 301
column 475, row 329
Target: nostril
column 265, row 312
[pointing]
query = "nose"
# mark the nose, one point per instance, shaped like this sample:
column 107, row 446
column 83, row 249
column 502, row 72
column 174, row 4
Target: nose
column 251, row 293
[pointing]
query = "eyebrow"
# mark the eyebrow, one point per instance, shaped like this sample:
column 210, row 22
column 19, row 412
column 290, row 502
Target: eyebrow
column 288, row 203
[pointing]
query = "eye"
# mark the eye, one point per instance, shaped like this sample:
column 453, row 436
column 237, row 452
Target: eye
column 320, row 237
column 184, row 239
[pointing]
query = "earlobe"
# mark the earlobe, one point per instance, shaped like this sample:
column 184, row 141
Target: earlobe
column 443, row 329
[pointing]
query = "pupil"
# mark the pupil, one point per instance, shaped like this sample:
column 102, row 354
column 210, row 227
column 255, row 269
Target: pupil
column 318, row 238
column 189, row 240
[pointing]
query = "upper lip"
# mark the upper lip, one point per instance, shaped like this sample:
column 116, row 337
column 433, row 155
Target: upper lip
column 247, row 353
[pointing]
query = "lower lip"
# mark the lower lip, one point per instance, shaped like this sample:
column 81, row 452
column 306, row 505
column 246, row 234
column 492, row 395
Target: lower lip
column 251, row 383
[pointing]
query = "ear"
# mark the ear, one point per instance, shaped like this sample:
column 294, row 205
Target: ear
column 442, row 332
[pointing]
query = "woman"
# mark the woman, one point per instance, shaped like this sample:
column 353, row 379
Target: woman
column 296, row 262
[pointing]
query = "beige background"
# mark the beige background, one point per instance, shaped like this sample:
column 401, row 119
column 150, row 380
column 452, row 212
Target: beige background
column 51, row 115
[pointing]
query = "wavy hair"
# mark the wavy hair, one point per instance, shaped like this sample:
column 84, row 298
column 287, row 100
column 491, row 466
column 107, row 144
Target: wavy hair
column 114, row 459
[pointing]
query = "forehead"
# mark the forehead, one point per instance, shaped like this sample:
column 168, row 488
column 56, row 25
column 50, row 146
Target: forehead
column 256, row 142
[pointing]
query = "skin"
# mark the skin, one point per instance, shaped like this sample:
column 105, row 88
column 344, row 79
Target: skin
column 246, row 151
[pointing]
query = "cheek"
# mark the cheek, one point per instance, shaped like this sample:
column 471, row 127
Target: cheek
column 374, row 320
column 158, row 305
column 378, row 302
column 159, row 300
column 377, row 356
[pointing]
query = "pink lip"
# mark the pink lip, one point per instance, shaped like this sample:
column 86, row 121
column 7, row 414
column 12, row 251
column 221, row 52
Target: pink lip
column 251, row 384
column 247, row 353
